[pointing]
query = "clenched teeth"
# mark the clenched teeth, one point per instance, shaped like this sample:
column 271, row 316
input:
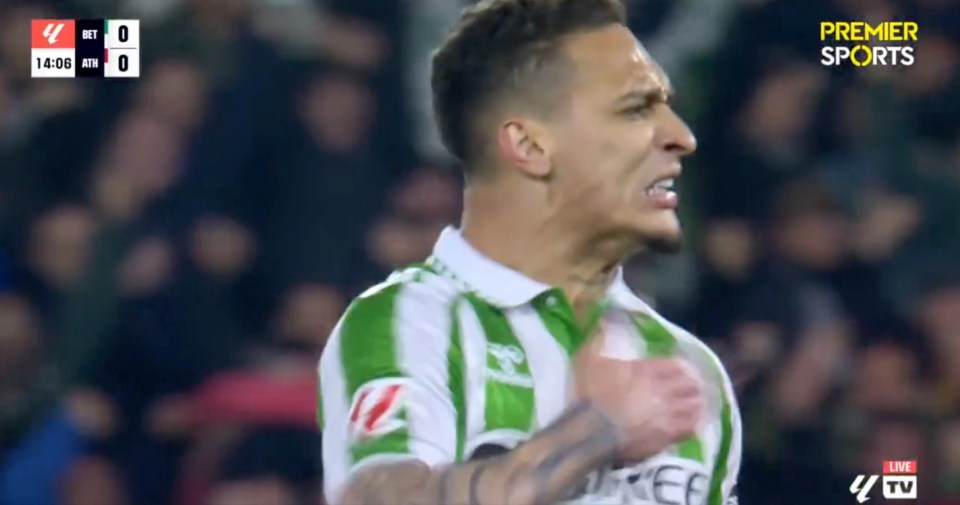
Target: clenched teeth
column 662, row 186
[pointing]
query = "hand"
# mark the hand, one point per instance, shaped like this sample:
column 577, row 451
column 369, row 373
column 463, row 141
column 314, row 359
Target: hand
column 656, row 403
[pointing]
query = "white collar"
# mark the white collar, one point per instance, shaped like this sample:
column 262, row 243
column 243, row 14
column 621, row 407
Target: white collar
column 503, row 286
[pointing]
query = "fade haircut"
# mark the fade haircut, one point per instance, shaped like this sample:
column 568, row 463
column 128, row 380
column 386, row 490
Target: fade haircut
column 507, row 50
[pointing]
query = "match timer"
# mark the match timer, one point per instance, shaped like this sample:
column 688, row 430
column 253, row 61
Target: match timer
column 99, row 48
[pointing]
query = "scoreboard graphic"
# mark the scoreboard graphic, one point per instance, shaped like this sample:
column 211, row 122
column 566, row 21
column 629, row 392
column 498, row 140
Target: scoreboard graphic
column 102, row 48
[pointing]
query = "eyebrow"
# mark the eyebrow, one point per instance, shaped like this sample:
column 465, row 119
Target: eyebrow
column 645, row 95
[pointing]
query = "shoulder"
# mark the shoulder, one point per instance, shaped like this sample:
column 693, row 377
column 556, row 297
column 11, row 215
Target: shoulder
column 417, row 285
column 691, row 342
column 692, row 346
column 696, row 349
column 415, row 300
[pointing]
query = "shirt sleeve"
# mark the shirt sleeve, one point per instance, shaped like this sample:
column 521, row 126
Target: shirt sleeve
column 735, row 453
column 734, row 460
column 727, row 468
column 388, row 378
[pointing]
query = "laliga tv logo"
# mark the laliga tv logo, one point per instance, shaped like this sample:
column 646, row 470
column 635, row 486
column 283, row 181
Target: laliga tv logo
column 52, row 31
column 899, row 482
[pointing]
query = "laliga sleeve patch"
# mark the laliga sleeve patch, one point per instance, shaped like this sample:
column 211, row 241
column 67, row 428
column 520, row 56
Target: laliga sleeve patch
column 377, row 409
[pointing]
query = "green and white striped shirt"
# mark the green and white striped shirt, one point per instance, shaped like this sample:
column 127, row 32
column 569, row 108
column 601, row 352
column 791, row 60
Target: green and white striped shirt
column 462, row 355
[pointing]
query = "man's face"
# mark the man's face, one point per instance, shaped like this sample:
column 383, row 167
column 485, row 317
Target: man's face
column 618, row 144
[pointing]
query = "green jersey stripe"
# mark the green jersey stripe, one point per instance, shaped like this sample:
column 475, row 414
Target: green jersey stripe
column 510, row 396
column 376, row 344
column 368, row 344
column 720, row 467
column 555, row 325
column 368, row 350
column 456, row 381
column 397, row 442
column 661, row 343
column 558, row 317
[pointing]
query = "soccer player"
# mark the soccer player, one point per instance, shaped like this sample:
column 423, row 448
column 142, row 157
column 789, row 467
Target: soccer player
column 514, row 366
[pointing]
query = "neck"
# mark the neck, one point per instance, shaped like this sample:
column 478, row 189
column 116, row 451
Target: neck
column 527, row 236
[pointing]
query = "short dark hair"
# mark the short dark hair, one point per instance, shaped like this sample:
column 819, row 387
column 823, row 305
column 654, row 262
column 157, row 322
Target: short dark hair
column 505, row 49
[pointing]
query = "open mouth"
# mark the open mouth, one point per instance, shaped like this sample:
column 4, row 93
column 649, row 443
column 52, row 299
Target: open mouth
column 662, row 193
column 662, row 187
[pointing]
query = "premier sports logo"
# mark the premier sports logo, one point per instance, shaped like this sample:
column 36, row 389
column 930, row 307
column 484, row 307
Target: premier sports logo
column 899, row 482
column 377, row 409
column 862, row 44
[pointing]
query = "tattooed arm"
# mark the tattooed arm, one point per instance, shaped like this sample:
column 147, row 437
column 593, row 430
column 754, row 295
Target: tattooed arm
column 542, row 470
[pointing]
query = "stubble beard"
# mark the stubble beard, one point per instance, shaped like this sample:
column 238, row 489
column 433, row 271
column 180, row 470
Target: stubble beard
column 660, row 244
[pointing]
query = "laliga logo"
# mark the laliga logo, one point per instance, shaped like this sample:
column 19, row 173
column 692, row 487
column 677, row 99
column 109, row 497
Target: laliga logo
column 52, row 31
column 377, row 409
column 899, row 482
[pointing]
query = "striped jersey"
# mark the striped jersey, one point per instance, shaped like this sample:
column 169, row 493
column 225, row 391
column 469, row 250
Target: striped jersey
column 462, row 357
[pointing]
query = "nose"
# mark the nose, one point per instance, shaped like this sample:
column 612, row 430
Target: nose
column 673, row 134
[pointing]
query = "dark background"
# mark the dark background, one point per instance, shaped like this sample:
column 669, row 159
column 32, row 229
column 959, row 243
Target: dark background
column 175, row 250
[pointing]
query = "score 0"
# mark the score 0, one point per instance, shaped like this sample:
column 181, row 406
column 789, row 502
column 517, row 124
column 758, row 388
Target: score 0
column 122, row 44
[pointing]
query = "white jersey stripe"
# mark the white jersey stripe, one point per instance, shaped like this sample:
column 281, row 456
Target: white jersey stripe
column 475, row 356
column 549, row 364
column 431, row 418
column 336, row 408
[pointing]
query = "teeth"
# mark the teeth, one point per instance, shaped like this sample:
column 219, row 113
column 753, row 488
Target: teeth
column 661, row 186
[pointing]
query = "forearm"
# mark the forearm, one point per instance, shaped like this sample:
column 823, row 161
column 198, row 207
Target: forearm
column 542, row 470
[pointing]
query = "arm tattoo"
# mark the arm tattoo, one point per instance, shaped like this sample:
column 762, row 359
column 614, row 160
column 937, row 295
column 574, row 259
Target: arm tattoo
column 541, row 470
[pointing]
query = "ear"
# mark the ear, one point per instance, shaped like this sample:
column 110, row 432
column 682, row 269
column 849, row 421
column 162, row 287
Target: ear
column 526, row 144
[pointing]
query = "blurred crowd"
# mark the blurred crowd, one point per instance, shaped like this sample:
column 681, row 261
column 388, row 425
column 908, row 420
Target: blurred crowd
column 175, row 250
